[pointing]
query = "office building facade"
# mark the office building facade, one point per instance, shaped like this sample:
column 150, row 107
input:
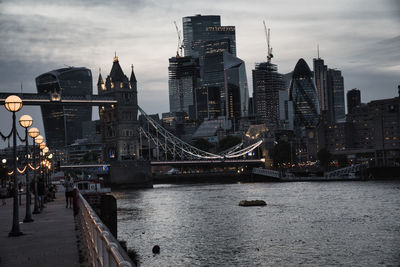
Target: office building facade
column 336, row 87
column 353, row 99
column 63, row 124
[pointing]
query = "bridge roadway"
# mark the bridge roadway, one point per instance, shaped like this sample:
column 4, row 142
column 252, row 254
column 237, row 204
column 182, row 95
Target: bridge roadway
column 216, row 162
column 36, row 99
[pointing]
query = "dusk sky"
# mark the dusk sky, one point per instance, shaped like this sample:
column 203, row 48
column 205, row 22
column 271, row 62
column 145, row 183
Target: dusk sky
column 359, row 37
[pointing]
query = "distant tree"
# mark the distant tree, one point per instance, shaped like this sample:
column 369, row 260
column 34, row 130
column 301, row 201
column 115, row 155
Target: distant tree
column 203, row 144
column 228, row 142
column 281, row 153
column 324, row 157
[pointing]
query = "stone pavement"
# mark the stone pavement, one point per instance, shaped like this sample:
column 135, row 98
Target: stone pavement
column 48, row 241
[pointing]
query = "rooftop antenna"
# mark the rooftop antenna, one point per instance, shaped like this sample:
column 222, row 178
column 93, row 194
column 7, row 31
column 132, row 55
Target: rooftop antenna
column 318, row 50
column 180, row 43
column 268, row 35
column 21, row 87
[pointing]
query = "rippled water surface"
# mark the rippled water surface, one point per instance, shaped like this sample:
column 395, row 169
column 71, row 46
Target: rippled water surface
column 309, row 223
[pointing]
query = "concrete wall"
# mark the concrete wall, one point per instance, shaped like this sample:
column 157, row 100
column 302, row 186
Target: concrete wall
column 134, row 174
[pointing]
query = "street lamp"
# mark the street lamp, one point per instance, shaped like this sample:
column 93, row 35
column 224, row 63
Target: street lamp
column 34, row 134
column 14, row 104
column 26, row 121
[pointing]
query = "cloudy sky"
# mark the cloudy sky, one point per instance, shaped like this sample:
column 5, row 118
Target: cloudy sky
column 359, row 37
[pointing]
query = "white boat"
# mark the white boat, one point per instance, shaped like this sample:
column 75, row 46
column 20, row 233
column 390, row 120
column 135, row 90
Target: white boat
column 88, row 187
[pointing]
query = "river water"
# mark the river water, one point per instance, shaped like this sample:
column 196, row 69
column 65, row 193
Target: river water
column 304, row 223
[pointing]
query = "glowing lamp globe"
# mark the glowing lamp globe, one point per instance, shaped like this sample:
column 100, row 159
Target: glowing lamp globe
column 39, row 139
column 25, row 121
column 42, row 145
column 13, row 103
column 33, row 132
column 45, row 150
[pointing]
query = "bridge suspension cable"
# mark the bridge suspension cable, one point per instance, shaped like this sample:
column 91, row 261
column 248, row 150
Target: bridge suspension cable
column 172, row 145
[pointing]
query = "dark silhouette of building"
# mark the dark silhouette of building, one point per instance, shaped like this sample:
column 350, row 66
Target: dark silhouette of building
column 353, row 99
column 119, row 122
column 63, row 124
column 336, row 87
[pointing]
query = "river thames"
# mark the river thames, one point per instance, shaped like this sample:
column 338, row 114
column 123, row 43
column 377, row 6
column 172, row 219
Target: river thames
column 304, row 223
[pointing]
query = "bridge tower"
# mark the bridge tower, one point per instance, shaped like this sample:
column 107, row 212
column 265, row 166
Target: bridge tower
column 119, row 122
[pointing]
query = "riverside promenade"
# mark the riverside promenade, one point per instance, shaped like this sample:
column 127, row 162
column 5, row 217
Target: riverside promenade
column 48, row 241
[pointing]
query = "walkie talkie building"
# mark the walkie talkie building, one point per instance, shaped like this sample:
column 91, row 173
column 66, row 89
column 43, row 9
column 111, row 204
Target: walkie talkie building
column 63, row 124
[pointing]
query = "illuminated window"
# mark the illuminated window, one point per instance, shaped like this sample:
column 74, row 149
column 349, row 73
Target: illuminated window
column 121, row 85
column 103, row 87
column 112, row 85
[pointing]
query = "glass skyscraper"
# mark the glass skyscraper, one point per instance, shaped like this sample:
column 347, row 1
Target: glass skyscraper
column 336, row 85
column 63, row 124
column 303, row 94
column 197, row 30
column 184, row 75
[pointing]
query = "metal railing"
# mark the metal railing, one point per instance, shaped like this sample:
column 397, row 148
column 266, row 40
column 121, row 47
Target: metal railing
column 101, row 246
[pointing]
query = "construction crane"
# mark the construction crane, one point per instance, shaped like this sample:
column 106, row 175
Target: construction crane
column 180, row 42
column 267, row 35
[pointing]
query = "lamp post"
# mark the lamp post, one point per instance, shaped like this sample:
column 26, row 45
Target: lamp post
column 26, row 122
column 13, row 104
column 38, row 139
column 45, row 151
column 42, row 184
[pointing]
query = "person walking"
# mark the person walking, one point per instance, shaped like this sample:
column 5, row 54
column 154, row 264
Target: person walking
column 69, row 186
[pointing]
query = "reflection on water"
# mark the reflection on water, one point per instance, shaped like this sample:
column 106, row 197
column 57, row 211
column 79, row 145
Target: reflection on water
column 311, row 224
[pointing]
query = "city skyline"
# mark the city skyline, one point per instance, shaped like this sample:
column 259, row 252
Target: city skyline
column 39, row 37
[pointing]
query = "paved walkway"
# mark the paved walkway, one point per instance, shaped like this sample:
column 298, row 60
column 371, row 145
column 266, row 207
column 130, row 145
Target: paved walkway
column 48, row 241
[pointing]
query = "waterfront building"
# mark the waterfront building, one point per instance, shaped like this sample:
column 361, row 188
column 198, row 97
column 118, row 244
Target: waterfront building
column 183, row 79
column 63, row 124
column 303, row 94
column 267, row 87
column 321, row 83
column 353, row 99
column 371, row 130
column 119, row 122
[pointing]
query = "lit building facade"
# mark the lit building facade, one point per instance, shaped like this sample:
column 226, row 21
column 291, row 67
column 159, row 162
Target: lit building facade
column 336, row 87
column 63, row 124
column 119, row 124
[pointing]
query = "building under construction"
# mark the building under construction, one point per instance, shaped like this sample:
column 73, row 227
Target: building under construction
column 267, row 83
column 183, row 79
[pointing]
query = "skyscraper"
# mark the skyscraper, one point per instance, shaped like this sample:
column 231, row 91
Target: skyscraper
column 267, row 83
column 223, row 89
column 330, row 88
column 336, row 87
column 304, row 95
column 225, row 83
column 197, row 30
column 353, row 99
column 119, row 122
column 63, row 124
column 182, row 81
column 321, row 83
